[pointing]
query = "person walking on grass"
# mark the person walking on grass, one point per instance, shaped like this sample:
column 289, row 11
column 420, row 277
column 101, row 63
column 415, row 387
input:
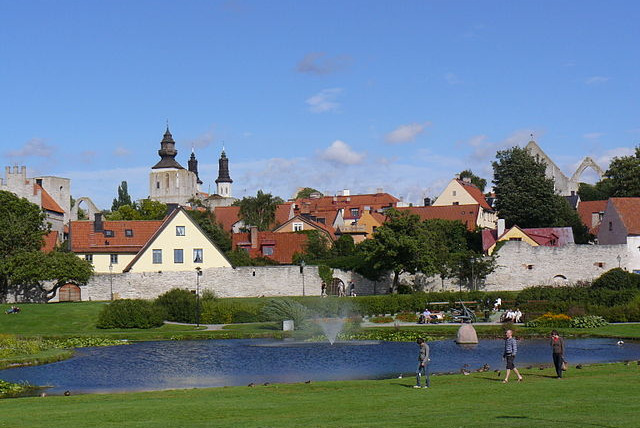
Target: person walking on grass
column 510, row 351
column 423, row 364
column 557, row 348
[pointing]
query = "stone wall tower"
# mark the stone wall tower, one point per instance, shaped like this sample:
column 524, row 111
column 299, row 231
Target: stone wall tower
column 223, row 182
column 169, row 182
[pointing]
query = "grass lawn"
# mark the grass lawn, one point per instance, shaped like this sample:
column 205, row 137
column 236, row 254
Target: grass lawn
column 596, row 396
column 79, row 319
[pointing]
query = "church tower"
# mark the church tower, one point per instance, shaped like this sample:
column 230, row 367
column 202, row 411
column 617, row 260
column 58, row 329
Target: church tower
column 193, row 166
column 169, row 182
column 223, row 182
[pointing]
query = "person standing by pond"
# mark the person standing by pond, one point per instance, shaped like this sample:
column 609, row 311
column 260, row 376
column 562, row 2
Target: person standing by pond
column 557, row 348
column 510, row 351
column 423, row 364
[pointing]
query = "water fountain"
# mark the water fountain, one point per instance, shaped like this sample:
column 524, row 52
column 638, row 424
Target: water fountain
column 331, row 327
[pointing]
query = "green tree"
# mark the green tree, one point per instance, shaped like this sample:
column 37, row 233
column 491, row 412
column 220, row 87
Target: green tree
column 146, row 209
column 207, row 222
column 123, row 197
column 525, row 196
column 595, row 192
column 479, row 182
column 400, row 245
column 624, row 175
column 259, row 211
column 22, row 264
column 32, row 269
column 306, row 193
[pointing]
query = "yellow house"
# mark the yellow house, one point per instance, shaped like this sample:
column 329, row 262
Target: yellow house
column 174, row 244
column 513, row 234
column 178, row 245
column 462, row 192
column 361, row 228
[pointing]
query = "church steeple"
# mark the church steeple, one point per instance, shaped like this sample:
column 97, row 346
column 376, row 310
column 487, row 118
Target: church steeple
column 193, row 166
column 167, row 152
column 223, row 182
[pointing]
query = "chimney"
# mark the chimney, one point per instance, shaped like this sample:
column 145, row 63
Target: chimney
column 254, row 237
column 97, row 223
column 500, row 227
column 466, row 179
column 346, row 192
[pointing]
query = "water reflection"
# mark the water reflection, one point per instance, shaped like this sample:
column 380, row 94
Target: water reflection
column 209, row 363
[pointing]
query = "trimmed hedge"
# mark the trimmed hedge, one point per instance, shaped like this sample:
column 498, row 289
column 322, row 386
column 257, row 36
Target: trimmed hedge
column 179, row 305
column 130, row 313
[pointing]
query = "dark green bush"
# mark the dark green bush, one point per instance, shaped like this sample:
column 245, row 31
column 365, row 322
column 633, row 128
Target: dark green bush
column 617, row 279
column 130, row 313
column 179, row 305
column 222, row 311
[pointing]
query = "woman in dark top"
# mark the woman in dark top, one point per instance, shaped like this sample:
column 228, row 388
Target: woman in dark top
column 557, row 346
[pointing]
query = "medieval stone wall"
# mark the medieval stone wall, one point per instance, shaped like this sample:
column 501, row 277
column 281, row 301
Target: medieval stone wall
column 519, row 266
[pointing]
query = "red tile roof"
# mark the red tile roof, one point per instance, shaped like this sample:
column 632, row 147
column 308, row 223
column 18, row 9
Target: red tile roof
column 329, row 230
column 50, row 241
column 285, row 245
column 227, row 216
column 375, row 202
column 551, row 236
column 85, row 240
column 475, row 194
column 586, row 209
column 47, row 202
column 545, row 236
column 466, row 214
column 628, row 210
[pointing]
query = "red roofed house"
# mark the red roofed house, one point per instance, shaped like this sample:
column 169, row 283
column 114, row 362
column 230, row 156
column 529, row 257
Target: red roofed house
column 279, row 247
column 230, row 220
column 462, row 192
column 591, row 213
column 621, row 225
column 545, row 236
column 305, row 222
column 174, row 244
column 342, row 211
column 469, row 215
column 52, row 194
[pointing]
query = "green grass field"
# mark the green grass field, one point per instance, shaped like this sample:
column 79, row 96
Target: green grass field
column 596, row 396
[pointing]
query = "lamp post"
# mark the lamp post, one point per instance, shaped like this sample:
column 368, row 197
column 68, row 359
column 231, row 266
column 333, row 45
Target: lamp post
column 619, row 259
column 111, row 279
column 472, row 281
column 198, row 275
column 302, row 265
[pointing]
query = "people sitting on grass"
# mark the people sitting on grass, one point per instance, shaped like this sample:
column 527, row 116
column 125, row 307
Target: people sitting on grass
column 13, row 310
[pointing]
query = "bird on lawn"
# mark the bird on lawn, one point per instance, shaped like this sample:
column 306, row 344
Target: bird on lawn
column 251, row 385
column 308, row 381
column 579, row 366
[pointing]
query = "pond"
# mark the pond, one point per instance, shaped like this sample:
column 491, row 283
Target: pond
column 209, row 363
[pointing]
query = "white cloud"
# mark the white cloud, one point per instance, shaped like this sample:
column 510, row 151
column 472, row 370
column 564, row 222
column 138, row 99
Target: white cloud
column 319, row 63
column 324, row 101
column 201, row 141
column 592, row 135
column 88, row 156
column 406, row 133
column 121, row 152
column 452, row 79
column 34, row 147
column 340, row 152
column 596, row 80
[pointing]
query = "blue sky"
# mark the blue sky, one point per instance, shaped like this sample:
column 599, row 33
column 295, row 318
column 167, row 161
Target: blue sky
column 334, row 95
